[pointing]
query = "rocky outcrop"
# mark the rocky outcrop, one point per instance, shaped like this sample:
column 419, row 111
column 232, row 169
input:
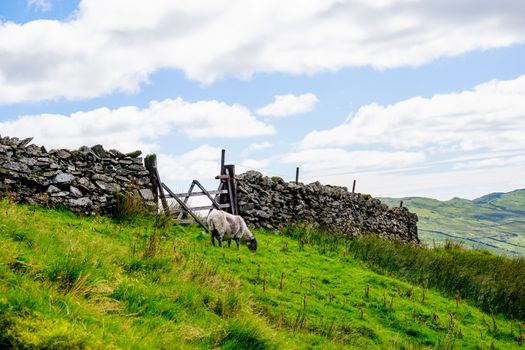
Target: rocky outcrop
column 273, row 203
column 86, row 180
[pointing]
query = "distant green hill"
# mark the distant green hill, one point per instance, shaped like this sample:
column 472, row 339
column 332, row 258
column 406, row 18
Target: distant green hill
column 495, row 221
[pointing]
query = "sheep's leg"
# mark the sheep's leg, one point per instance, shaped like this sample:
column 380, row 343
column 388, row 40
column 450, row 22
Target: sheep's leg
column 214, row 234
column 220, row 240
column 238, row 241
column 229, row 243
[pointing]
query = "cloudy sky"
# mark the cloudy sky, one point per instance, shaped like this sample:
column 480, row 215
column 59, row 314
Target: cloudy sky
column 408, row 97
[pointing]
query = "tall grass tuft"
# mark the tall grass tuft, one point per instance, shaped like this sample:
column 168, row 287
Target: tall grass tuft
column 128, row 205
column 491, row 282
column 41, row 333
column 313, row 235
column 245, row 334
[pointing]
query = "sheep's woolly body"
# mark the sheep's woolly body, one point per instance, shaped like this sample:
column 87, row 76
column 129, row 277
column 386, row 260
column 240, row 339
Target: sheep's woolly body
column 227, row 227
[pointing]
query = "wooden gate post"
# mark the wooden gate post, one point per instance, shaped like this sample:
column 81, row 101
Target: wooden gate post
column 223, row 198
column 223, row 157
column 232, row 188
column 150, row 162
column 227, row 181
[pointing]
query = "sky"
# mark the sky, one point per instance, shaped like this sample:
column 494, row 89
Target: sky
column 407, row 97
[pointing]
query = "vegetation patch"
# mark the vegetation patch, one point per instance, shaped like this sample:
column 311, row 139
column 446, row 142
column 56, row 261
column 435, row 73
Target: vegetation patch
column 142, row 283
column 487, row 280
column 245, row 334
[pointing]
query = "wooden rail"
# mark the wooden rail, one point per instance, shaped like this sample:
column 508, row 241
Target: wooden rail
column 194, row 194
column 224, row 198
column 185, row 207
column 205, row 207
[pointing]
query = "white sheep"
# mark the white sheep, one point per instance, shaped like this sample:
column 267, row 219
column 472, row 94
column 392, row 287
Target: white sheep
column 226, row 226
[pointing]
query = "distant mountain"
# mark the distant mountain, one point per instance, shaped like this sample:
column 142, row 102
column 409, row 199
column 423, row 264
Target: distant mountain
column 488, row 197
column 495, row 221
column 512, row 201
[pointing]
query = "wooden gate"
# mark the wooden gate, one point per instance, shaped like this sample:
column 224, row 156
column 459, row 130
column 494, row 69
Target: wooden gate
column 224, row 198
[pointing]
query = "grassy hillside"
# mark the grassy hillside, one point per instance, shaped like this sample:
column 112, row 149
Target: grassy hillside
column 68, row 282
column 495, row 221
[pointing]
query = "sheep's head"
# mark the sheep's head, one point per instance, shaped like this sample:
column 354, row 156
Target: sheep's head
column 252, row 244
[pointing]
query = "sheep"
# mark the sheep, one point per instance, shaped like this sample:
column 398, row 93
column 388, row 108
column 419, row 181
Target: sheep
column 226, row 226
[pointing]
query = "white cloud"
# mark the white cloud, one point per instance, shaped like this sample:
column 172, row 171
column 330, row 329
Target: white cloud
column 40, row 5
column 130, row 127
column 259, row 146
column 468, row 143
column 492, row 163
column 256, row 147
column 465, row 183
column 202, row 162
column 254, row 164
column 490, row 116
column 110, row 46
column 316, row 162
column 286, row 105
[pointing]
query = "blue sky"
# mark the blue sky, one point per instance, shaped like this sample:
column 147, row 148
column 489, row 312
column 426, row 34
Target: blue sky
column 408, row 97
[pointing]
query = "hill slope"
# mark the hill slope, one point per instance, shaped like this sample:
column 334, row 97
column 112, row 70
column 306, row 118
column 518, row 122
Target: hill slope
column 495, row 221
column 68, row 282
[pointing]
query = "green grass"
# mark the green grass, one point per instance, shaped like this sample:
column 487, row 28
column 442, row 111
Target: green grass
column 70, row 283
column 495, row 222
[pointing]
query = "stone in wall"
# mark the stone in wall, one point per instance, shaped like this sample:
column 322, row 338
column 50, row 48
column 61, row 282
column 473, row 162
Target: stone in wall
column 273, row 203
column 86, row 180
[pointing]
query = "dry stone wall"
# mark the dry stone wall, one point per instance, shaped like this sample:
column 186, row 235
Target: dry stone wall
column 273, row 203
column 86, row 180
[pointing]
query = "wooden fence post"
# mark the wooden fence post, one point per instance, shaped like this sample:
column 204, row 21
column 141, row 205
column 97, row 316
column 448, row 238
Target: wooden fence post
column 297, row 175
column 353, row 187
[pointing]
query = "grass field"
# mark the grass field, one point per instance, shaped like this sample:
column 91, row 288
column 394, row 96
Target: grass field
column 495, row 221
column 73, row 283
